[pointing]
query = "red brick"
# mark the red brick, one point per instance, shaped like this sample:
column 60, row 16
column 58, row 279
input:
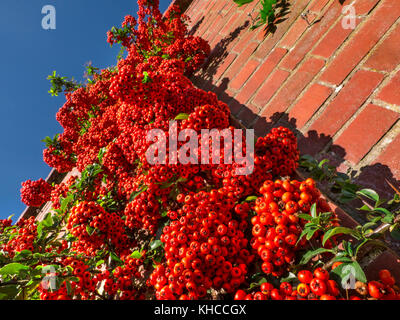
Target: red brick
column 318, row 5
column 333, row 40
column 251, row 7
column 312, row 36
column 229, row 23
column 217, row 39
column 365, row 131
column 387, row 55
column 210, row 5
column 218, row 24
column 391, row 93
column 210, row 14
column 260, row 75
column 243, row 41
column 367, row 36
column 237, row 65
column 391, row 157
column 364, row 6
column 347, row 102
column 244, row 74
column 270, row 87
column 228, row 6
column 294, row 86
column 309, row 104
column 238, row 29
column 295, row 31
column 271, row 40
column 225, row 64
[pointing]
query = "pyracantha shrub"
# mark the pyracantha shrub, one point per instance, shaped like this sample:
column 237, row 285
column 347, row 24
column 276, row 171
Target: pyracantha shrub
column 126, row 228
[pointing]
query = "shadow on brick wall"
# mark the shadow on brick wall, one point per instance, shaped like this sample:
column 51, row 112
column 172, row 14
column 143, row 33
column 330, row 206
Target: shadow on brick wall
column 206, row 73
column 194, row 29
column 319, row 145
column 283, row 10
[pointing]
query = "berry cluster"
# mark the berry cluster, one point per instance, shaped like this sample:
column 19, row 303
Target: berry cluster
column 277, row 227
column 21, row 238
column 35, row 193
column 312, row 286
column 205, row 247
column 94, row 228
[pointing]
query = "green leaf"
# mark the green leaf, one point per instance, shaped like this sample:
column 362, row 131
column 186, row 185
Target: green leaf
column 14, row 269
column 90, row 230
column 137, row 193
column 388, row 216
column 346, row 270
column 99, row 263
column 309, row 230
column 313, row 210
column 311, row 233
column 9, row 292
column 66, row 201
column 360, row 275
column 342, row 259
column 369, row 193
column 101, row 154
column 182, row 116
column 321, row 164
column 291, row 277
column 368, row 225
column 136, row 255
column 167, row 185
column 364, row 208
column 115, row 257
column 146, row 77
column 250, row 199
column 22, row 255
column 388, row 219
column 348, row 247
column 338, row 230
column 47, row 222
column 396, row 199
column 304, row 216
column 311, row 254
column 155, row 244
column 69, row 288
column 257, row 284
column 242, row 2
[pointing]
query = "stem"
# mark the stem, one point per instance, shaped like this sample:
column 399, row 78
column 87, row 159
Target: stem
column 380, row 230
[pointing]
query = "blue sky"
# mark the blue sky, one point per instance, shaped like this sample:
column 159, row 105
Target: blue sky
column 28, row 55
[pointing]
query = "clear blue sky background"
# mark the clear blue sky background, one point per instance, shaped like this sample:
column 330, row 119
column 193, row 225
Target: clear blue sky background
column 28, row 55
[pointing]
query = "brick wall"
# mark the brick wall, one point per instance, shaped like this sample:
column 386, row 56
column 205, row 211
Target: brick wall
column 337, row 88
